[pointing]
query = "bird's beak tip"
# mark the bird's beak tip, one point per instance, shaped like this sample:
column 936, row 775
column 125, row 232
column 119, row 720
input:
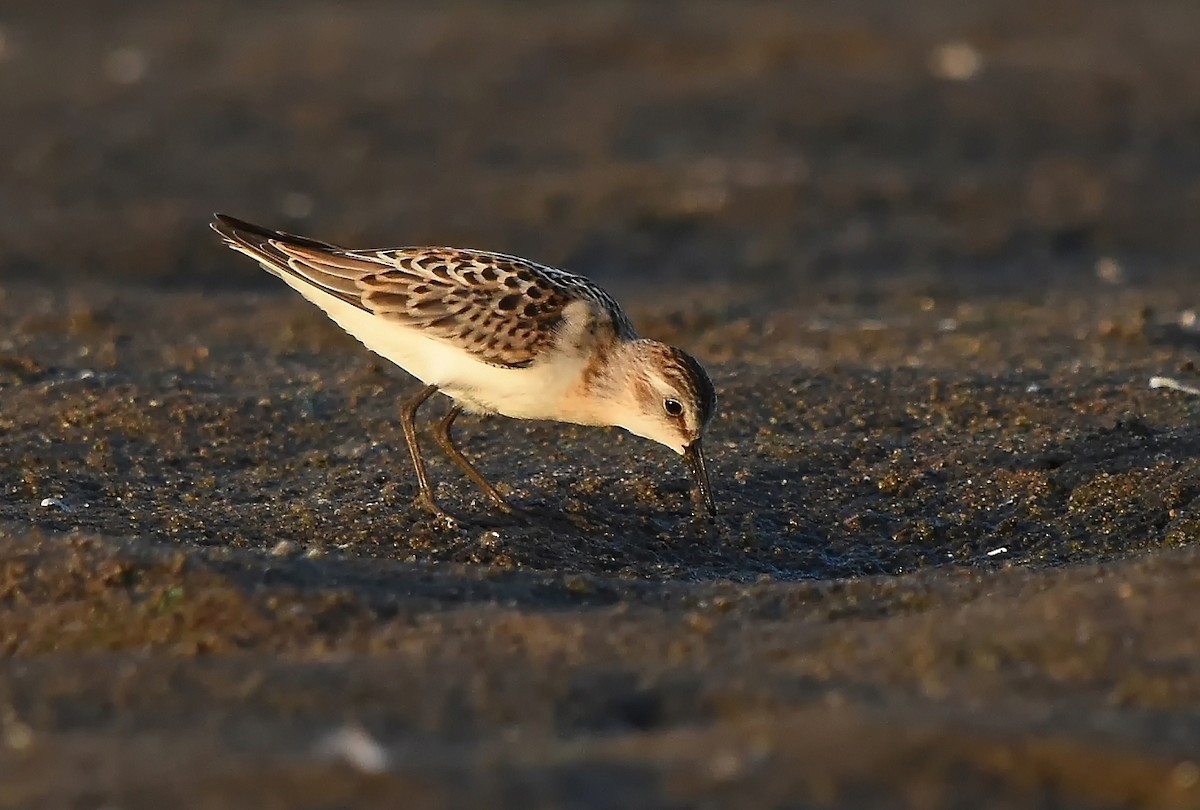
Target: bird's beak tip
column 694, row 455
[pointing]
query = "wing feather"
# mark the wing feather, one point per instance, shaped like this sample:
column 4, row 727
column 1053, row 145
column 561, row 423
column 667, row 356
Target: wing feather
column 503, row 309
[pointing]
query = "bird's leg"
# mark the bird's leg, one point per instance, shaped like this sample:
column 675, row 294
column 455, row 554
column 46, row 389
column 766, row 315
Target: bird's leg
column 441, row 432
column 407, row 414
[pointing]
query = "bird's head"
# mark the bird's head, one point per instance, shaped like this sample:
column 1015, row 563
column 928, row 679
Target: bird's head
column 671, row 401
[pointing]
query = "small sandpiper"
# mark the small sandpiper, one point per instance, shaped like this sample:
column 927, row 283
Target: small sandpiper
column 495, row 334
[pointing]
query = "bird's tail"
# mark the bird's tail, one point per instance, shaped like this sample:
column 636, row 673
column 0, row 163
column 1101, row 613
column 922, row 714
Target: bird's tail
column 262, row 244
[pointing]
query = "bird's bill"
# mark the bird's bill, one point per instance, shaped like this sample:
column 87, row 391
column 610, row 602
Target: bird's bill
column 693, row 456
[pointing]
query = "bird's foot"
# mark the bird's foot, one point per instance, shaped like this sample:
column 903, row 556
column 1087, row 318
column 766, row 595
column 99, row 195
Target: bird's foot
column 504, row 506
column 426, row 501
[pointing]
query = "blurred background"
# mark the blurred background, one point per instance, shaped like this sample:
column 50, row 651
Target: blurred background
column 931, row 251
column 965, row 143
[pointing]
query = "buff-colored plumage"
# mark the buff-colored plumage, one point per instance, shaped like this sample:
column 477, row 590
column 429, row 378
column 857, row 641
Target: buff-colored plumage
column 497, row 334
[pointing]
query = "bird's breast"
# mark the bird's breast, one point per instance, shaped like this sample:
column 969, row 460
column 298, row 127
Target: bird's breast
column 546, row 389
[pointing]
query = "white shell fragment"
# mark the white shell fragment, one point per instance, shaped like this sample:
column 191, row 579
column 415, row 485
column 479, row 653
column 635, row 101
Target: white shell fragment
column 1173, row 384
column 55, row 503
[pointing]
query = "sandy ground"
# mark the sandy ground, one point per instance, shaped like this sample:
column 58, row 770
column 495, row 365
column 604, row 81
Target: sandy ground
column 932, row 255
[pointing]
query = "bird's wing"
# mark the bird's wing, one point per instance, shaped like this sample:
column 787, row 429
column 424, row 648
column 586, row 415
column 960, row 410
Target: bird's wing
column 502, row 309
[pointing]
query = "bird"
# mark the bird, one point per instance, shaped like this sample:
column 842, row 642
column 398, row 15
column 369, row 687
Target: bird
column 496, row 334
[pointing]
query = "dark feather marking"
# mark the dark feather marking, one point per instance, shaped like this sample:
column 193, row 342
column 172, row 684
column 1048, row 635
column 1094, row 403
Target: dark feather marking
column 462, row 296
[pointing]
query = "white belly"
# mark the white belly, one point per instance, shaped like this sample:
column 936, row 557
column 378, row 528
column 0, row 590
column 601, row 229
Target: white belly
column 534, row 392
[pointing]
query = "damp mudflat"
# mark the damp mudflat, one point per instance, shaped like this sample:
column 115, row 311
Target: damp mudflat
column 932, row 263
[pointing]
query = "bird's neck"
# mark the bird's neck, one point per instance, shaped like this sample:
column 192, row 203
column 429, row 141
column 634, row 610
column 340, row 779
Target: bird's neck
column 607, row 391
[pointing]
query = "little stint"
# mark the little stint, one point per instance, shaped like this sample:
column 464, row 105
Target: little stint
column 495, row 334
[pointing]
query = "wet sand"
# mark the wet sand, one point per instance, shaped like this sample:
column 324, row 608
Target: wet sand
column 956, row 559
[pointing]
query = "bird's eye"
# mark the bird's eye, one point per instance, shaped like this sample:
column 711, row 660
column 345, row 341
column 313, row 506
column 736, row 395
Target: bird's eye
column 673, row 407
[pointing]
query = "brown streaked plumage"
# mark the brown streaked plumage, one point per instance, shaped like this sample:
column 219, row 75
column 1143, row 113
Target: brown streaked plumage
column 497, row 334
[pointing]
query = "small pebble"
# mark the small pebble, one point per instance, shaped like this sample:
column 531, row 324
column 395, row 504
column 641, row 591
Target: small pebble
column 1109, row 271
column 955, row 61
column 355, row 747
column 283, row 548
